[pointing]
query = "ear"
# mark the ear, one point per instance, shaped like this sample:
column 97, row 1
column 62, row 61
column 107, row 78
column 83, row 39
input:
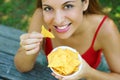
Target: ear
column 85, row 4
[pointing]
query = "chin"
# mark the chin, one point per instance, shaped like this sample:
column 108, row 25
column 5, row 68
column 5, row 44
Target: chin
column 63, row 36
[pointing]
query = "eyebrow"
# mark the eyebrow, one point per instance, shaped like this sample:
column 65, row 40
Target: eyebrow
column 63, row 3
column 68, row 2
column 45, row 5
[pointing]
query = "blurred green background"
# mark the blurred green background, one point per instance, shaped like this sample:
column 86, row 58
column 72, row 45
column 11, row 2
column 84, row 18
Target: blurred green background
column 17, row 13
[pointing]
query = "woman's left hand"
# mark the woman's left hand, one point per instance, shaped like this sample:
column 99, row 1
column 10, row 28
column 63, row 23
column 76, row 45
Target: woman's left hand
column 83, row 73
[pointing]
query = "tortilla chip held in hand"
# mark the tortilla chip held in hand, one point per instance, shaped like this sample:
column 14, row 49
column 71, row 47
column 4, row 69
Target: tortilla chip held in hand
column 64, row 61
column 46, row 33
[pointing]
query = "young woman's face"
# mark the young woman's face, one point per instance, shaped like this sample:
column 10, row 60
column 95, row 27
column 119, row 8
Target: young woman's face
column 63, row 17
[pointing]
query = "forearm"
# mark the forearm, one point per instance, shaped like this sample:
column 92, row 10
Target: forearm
column 98, row 75
column 24, row 62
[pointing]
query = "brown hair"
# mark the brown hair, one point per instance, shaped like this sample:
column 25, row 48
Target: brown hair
column 93, row 7
column 39, row 4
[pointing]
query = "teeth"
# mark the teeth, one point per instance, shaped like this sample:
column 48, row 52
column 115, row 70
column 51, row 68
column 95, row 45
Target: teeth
column 63, row 27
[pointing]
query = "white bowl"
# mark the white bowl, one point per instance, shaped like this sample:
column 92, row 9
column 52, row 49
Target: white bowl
column 80, row 66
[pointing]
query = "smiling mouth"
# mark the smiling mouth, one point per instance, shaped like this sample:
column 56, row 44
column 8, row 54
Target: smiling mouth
column 62, row 29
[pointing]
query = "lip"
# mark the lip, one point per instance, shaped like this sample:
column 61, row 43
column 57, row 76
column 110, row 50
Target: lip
column 62, row 28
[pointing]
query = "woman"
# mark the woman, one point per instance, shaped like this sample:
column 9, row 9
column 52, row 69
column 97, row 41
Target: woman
column 79, row 24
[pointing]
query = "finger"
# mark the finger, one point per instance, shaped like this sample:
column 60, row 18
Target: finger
column 30, row 41
column 53, row 74
column 31, row 35
column 56, row 76
column 33, row 51
column 64, row 79
column 30, row 47
column 24, row 36
column 69, row 78
column 36, row 35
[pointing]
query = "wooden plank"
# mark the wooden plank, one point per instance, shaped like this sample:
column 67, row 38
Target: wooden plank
column 9, row 39
column 8, row 70
column 10, row 33
column 9, row 46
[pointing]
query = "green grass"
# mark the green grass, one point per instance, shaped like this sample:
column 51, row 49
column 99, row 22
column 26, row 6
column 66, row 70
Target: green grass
column 17, row 13
column 113, row 9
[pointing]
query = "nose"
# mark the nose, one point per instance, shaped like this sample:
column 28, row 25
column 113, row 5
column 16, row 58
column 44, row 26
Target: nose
column 59, row 18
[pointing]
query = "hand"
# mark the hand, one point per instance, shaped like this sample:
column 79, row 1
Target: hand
column 31, row 42
column 83, row 73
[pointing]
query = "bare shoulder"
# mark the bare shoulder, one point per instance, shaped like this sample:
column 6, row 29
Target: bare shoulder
column 109, row 28
column 36, row 21
column 109, row 34
column 109, row 39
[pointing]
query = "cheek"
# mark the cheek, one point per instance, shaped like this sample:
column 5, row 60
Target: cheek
column 77, row 19
column 47, row 18
column 75, row 14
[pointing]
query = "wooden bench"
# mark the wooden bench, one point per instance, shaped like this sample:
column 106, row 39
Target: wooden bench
column 9, row 44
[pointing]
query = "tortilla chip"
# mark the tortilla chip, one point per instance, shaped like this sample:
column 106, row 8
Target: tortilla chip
column 46, row 33
column 63, row 61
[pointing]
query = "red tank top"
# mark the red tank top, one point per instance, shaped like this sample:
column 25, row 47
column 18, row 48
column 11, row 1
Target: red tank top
column 91, row 56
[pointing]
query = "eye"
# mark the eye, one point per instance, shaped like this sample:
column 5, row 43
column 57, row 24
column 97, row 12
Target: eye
column 68, row 6
column 47, row 9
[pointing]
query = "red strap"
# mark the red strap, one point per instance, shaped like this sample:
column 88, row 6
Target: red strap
column 98, row 29
column 48, row 46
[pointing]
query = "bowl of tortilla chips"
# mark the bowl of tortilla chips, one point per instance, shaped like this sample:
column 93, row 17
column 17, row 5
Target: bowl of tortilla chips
column 64, row 61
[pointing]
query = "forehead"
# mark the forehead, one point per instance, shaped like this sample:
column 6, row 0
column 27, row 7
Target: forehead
column 56, row 1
